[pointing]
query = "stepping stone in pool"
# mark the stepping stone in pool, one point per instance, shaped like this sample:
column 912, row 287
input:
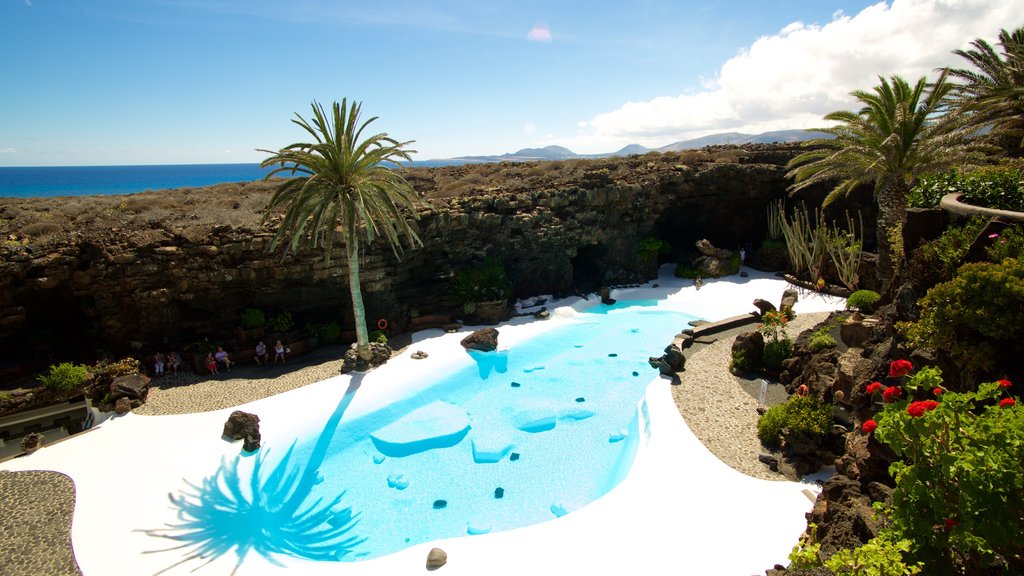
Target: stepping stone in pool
column 635, row 373
column 499, row 492
column 618, row 436
column 477, row 528
column 516, row 384
column 439, row 504
column 436, row 425
column 398, row 481
column 613, row 355
column 514, row 456
column 581, row 399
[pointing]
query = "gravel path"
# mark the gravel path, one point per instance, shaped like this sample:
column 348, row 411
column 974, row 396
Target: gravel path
column 35, row 520
column 720, row 408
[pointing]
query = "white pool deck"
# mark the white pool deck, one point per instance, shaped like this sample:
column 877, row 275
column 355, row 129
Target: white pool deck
column 679, row 511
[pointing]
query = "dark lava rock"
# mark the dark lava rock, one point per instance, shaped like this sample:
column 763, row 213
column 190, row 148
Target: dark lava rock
column 484, row 340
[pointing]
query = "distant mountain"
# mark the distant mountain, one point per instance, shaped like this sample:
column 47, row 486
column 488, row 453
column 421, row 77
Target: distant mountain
column 563, row 153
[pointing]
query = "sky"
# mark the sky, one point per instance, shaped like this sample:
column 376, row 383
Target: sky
column 115, row 82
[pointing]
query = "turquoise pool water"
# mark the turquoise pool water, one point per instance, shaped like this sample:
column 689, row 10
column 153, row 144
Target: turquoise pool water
column 517, row 437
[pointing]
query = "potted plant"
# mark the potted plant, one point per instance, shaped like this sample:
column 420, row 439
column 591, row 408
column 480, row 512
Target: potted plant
column 483, row 291
column 253, row 323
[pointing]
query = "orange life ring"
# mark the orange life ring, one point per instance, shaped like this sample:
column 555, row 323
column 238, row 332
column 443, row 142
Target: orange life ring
column 382, row 324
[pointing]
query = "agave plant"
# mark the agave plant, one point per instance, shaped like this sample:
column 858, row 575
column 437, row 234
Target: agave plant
column 270, row 513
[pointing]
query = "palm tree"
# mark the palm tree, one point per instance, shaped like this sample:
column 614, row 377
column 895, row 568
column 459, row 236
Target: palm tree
column 994, row 93
column 344, row 186
column 900, row 132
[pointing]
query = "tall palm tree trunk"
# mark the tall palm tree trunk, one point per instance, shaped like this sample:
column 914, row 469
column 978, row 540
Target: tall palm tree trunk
column 892, row 213
column 358, row 309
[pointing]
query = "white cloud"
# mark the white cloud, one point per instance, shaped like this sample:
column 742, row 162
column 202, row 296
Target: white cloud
column 793, row 78
column 539, row 33
column 8, row 151
column 529, row 128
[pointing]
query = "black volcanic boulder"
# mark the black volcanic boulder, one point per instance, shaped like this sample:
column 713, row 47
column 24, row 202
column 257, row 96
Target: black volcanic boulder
column 134, row 386
column 241, row 425
column 380, row 353
column 484, row 340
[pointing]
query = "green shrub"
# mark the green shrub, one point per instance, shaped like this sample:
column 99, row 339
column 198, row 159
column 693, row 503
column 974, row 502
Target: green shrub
column 957, row 470
column 282, row 322
column 253, row 318
column 324, row 332
column 741, row 362
column 651, row 247
column 993, row 187
column 684, row 270
column 978, row 316
column 931, row 188
column 822, row 340
column 65, row 377
column 379, row 336
column 942, row 256
column 104, row 372
column 799, row 415
column 486, row 281
column 1009, row 244
column 863, row 300
column 775, row 351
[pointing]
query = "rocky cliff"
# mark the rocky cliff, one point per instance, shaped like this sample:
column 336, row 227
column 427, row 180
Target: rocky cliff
column 162, row 269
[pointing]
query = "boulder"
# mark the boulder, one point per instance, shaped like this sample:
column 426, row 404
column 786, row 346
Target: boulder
column 134, row 386
column 241, row 425
column 763, row 306
column 436, row 558
column 418, row 355
column 123, row 405
column 789, row 298
column 857, row 330
column 252, row 441
column 484, row 340
column 380, row 353
column 751, row 344
column 714, row 262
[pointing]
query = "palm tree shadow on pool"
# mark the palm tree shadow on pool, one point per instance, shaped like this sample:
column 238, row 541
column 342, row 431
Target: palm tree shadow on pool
column 272, row 517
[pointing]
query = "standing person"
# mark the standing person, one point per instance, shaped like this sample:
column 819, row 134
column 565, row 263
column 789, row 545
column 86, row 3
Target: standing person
column 279, row 352
column 211, row 363
column 743, row 255
column 222, row 358
column 173, row 361
column 158, row 364
column 261, row 354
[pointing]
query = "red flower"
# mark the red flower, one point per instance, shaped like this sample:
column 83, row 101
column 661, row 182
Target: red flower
column 950, row 524
column 892, row 393
column 1006, row 402
column 874, row 388
column 937, row 391
column 917, row 409
column 1004, row 383
column 900, row 368
column 869, row 426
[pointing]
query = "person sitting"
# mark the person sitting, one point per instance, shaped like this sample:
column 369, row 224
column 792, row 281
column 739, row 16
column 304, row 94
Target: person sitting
column 222, row 358
column 279, row 352
column 173, row 361
column 158, row 364
column 261, row 354
column 211, row 363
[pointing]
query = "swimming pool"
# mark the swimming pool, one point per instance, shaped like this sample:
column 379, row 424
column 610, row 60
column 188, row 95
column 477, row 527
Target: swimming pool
column 510, row 439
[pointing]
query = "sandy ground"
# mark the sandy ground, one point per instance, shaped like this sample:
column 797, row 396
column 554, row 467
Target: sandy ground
column 681, row 509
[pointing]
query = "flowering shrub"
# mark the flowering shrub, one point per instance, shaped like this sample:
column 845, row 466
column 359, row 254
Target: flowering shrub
column 874, row 388
column 892, row 394
column 869, row 426
column 958, row 480
column 899, row 368
column 778, row 345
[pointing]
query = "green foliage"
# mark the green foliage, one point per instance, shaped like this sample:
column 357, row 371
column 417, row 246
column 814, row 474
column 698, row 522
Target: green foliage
column 282, row 322
column 651, row 247
column 978, row 316
column 775, row 215
column 958, row 480
column 324, row 332
column 863, row 300
column 1009, row 244
column 806, row 555
column 880, row 556
column 799, row 415
column 253, row 318
column 942, row 256
column 821, row 340
column 203, row 347
column 740, row 362
column 486, row 281
column 104, row 372
column 684, row 270
column 65, row 377
column 379, row 336
column 993, row 187
column 775, row 351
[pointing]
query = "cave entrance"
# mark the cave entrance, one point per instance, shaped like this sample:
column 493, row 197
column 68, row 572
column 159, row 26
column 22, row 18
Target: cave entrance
column 588, row 267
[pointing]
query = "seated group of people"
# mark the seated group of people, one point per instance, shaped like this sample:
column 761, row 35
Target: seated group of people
column 263, row 357
column 164, row 363
column 216, row 360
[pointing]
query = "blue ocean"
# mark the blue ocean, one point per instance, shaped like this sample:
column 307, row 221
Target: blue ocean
column 27, row 182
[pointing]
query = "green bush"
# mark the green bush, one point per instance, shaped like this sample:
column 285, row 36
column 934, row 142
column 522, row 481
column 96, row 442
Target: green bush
column 651, row 247
column 931, row 188
column 993, row 187
column 775, row 351
column 379, row 336
column 800, row 415
column 1009, row 244
column 684, row 270
column 958, row 481
column 863, row 300
column 282, row 322
column 65, row 377
column 486, row 281
column 741, row 362
column 942, row 256
column 324, row 332
column 822, row 340
column 253, row 318
column 978, row 316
